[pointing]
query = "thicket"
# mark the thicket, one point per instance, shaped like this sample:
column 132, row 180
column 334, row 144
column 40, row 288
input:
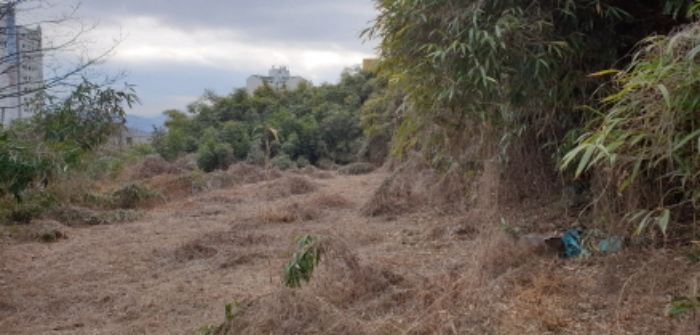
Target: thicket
column 308, row 125
column 511, row 81
column 53, row 158
column 35, row 151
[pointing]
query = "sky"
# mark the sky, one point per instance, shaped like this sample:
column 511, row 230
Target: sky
column 173, row 50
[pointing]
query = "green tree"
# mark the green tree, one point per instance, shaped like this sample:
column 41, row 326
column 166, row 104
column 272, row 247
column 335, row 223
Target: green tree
column 236, row 134
column 36, row 151
column 213, row 154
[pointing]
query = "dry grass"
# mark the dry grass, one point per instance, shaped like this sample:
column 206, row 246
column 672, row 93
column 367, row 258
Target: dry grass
column 357, row 168
column 315, row 173
column 414, row 185
column 290, row 185
column 150, row 166
column 412, row 272
column 246, row 173
column 327, row 200
column 291, row 212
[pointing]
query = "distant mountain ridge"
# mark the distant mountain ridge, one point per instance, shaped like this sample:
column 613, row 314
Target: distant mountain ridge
column 145, row 123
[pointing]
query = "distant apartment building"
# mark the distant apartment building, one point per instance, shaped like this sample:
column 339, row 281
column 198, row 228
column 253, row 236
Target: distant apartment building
column 21, row 67
column 277, row 78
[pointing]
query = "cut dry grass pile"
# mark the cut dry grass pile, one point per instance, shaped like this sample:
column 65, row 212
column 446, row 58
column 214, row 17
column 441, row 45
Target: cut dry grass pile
column 150, row 166
column 414, row 185
column 290, row 185
column 306, row 209
column 330, row 304
column 357, row 169
column 315, row 172
column 44, row 230
column 291, row 212
column 177, row 186
column 245, row 173
column 408, row 186
column 76, row 216
column 328, row 200
column 220, row 179
column 194, row 250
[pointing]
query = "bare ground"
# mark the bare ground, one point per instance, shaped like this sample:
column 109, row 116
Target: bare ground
column 422, row 272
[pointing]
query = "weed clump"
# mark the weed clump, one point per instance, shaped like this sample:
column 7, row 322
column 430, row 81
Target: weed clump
column 283, row 162
column 133, row 195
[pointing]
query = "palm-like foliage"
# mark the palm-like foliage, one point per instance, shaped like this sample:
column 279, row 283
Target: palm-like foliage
column 507, row 65
column 648, row 130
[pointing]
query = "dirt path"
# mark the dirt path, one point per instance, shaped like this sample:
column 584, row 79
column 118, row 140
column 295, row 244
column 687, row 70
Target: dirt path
column 173, row 271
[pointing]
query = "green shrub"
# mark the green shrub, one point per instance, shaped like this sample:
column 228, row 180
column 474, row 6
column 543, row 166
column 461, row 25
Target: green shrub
column 283, row 162
column 134, row 195
column 302, row 162
column 304, row 261
column 217, row 156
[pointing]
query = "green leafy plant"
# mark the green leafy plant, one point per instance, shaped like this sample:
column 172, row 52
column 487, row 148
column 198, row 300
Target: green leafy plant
column 304, row 261
column 648, row 134
column 283, row 162
column 230, row 316
column 36, row 151
column 132, row 195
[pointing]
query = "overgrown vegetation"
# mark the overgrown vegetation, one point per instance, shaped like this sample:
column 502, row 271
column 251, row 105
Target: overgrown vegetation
column 35, row 152
column 511, row 81
column 289, row 128
column 647, row 136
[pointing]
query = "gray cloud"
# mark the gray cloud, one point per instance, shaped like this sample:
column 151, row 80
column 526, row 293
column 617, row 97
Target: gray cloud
column 293, row 21
column 176, row 49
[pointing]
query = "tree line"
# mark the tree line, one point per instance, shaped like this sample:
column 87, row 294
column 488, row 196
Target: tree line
column 308, row 125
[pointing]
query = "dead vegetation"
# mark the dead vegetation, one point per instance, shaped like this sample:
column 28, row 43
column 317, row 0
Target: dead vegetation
column 414, row 185
column 357, row 168
column 422, row 262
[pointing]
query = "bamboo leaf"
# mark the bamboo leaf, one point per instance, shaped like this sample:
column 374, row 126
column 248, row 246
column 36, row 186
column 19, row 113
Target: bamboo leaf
column 630, row 180
column 643, row 223
column 604, row 72
column 664, row 220
column 585, row 160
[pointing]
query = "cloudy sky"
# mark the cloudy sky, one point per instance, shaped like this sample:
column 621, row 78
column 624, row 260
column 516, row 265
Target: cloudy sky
column 175, row 49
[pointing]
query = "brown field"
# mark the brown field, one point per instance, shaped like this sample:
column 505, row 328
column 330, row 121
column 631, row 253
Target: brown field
column 412, row 268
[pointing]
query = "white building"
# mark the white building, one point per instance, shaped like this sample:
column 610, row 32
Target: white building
column 21, row 67
column 131, row 136
column 278, row 78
